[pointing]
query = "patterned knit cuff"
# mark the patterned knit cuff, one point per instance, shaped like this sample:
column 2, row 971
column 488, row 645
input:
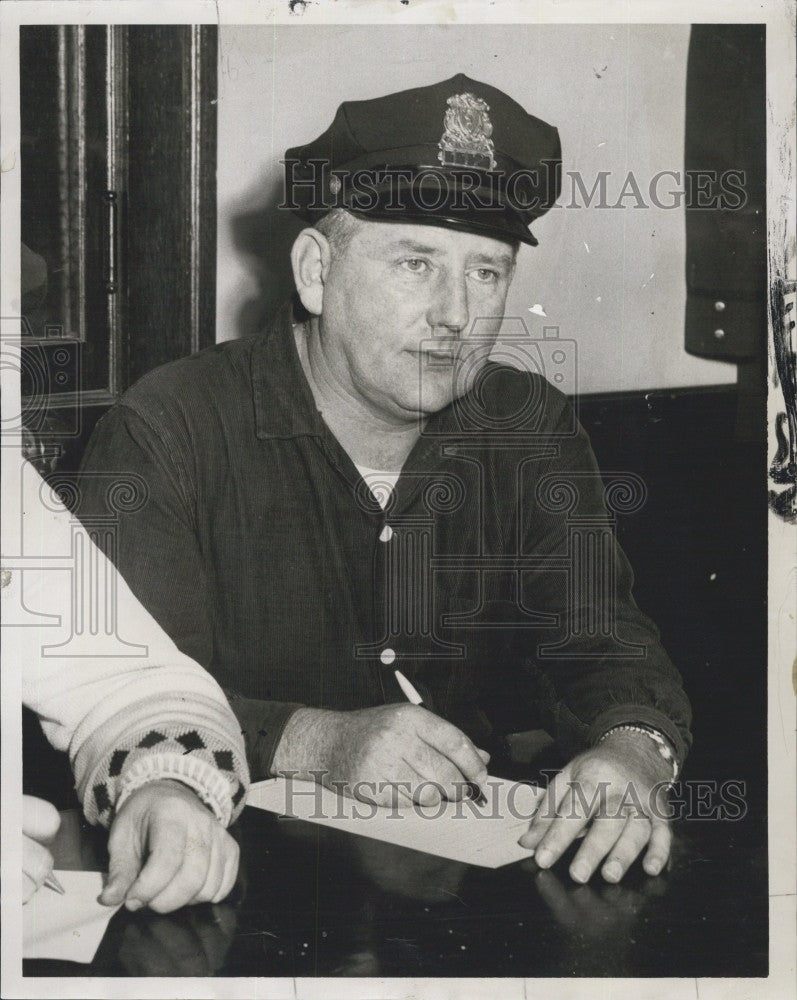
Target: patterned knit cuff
column 199, row 759
column 207, row 781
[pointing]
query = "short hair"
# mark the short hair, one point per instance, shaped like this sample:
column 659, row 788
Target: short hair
column 338, row 227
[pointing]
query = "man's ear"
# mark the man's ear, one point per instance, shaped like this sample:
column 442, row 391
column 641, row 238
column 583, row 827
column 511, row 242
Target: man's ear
column 310, row 257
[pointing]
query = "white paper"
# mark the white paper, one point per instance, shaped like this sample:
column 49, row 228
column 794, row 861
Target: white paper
column 68, row 927
column 461, row 831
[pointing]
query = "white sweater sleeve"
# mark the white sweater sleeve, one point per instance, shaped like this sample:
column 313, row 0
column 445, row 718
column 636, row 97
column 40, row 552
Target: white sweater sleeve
column 140, row 712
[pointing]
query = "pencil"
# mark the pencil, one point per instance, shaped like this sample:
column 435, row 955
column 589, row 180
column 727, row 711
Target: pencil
column 52, row 883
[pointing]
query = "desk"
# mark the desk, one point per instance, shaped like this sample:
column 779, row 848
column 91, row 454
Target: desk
column 311, row 901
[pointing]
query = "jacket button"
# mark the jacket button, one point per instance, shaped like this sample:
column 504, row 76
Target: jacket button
column 387, row 656
column 386, row 533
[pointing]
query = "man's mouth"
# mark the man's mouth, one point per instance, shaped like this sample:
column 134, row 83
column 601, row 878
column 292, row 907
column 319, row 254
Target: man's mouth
column 442, row 354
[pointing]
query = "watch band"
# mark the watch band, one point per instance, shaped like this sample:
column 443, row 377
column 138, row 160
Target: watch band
column 663, row 745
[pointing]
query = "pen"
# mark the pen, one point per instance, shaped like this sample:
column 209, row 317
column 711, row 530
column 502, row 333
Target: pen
column 414, row 698
column 52, row 883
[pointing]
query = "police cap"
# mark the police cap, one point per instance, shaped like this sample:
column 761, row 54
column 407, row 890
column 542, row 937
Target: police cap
column 459, row 153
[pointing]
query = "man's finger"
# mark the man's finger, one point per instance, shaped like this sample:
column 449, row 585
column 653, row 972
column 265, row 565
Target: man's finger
column 455, row 745
column 399, row 793
column 572, row 816
column 402, row 791
column 231, row 854
column 428, row 793
column 546, row 813
column 184, row 888
column 167, row 851
column 601, row 838
column 659, row 848
column 121, row 876
column 124, row 861
column 604, row 837
column 40, row 819
column 37, row 863
column 29, row 888
column 435, row 767
column 635, row 835
column 214, row 873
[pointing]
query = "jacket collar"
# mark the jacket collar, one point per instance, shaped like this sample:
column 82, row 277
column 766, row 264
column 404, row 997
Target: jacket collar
column 283, row 402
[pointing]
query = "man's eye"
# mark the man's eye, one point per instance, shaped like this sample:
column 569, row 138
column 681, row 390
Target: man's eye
column 415, row 264
column 486, row 275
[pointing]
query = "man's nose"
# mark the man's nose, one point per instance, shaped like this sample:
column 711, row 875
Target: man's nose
column 448, row 310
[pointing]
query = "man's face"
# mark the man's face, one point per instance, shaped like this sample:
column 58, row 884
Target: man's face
column 410, row 313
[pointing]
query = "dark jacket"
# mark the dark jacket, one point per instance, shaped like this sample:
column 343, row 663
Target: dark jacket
column 499, row 589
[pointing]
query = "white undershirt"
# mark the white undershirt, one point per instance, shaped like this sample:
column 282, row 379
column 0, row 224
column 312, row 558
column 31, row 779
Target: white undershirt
column 380, row 483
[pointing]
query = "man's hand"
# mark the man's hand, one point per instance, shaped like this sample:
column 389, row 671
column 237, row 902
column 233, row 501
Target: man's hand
column 166, row 850
column 40, row 822
column 383, row 755
column 619, row 788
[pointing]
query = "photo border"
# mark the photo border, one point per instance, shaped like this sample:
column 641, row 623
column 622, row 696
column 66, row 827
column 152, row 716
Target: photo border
column 780, row 19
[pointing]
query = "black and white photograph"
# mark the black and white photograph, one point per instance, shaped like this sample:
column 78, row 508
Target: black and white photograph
column 399, row 499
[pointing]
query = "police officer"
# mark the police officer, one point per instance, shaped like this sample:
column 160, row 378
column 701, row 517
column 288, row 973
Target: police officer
column 361, row 490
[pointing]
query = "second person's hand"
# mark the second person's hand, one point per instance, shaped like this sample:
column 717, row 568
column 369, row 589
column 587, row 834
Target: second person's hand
column 168, row 850
column 40, row 822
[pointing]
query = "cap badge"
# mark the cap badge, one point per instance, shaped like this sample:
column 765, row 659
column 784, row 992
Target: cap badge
column 466, row 141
